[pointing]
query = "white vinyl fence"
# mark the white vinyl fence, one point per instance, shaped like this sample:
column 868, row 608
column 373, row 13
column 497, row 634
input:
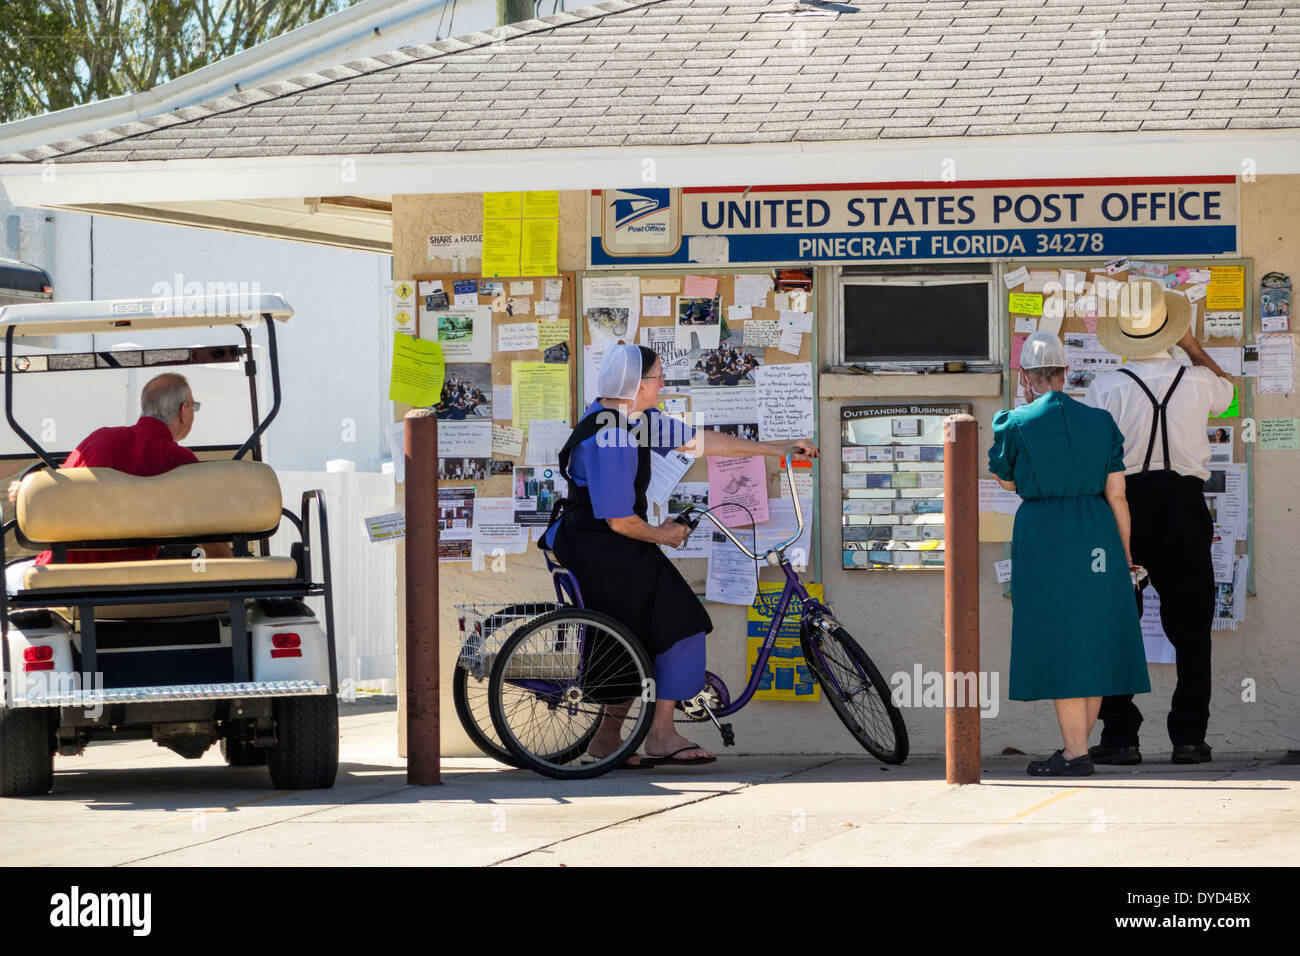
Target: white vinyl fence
column 365, row 593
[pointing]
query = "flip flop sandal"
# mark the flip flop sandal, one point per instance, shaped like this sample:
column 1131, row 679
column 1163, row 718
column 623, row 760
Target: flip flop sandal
column 645, row 764
column 672, row 757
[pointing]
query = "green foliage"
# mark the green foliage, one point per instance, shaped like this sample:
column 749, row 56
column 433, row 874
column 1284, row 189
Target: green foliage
column 60, row 53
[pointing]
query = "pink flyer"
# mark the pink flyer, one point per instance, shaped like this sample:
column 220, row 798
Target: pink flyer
column 739, row 481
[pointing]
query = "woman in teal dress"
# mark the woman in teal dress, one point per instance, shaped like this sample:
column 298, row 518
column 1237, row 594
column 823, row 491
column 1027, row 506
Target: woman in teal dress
column 1074, row 622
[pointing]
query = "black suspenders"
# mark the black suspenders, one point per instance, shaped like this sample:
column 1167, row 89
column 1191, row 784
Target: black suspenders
column 1160, row 421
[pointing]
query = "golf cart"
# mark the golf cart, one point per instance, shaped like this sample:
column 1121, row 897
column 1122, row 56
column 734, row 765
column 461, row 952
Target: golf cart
column 186, row 650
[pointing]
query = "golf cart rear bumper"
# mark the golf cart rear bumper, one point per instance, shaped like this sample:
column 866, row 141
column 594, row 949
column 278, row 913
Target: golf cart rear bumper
column 137, row 695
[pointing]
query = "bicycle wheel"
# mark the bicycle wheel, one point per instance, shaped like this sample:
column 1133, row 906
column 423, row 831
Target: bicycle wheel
column 855, row 690
column 469, row 693
column 553, row 683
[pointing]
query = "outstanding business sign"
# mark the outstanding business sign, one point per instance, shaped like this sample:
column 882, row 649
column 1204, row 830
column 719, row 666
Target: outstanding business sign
column 1047, row 219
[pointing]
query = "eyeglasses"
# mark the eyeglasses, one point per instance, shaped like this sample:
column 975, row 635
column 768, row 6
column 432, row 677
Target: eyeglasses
column 195, row 405
column 648, row 378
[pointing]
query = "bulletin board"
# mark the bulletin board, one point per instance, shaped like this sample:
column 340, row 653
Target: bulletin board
column 1077, row 327
column 500, row 480
column 695, row 569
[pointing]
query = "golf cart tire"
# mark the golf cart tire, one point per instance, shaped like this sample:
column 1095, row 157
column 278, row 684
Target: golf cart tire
column 306, row 751
column 240, row 754
column 26, row 752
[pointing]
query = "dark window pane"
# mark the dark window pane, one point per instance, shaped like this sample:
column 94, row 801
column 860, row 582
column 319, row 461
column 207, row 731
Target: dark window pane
column 895, row 323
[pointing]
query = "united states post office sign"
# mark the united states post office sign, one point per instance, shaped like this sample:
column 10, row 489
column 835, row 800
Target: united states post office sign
column 883, row 222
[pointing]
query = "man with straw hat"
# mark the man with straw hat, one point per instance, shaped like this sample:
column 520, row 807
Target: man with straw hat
column 1162, row 408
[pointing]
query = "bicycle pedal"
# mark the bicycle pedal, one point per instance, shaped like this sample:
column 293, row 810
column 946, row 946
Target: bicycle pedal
column 728, row 735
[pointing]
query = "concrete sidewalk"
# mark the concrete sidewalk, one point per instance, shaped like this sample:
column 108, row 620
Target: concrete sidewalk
column 135, row 803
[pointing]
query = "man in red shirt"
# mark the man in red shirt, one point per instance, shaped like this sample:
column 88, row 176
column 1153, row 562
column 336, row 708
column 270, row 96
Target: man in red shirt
column 149, row 447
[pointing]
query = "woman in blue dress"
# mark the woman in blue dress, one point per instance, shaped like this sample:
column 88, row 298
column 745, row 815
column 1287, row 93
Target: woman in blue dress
column 1075, row 636
column 603, row 537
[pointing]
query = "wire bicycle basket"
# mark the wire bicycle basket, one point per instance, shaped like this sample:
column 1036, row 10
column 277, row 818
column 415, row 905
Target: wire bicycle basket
column 484, row 628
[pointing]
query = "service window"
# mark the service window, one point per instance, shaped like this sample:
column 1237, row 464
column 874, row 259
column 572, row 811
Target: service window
column 918, row 319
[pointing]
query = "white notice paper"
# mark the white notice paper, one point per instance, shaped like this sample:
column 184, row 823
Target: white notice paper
column 502, row 402
column 506, row 440
column 464, row 439
column 785, row 401
column 696, row 493
column 495, row 531
column 676, row 362
column 1276, row 363
column 665, row 472
column 761, row 333
column 781, row 524
column 396, row 435
column 752, row 289
column 1227, row 359
column 1158, row 648
column 796, row 320
column 725, row 406
column 1013, row 279
column 740, row 313
column 995, row 498
column 517, row 337
column 1003, row 570
column 732, row 578
column 386, row 525
column 611, row 304
column 545, row 439
column 657, row 305
column 791, row 340
column 1222, row 554
column 592, row 357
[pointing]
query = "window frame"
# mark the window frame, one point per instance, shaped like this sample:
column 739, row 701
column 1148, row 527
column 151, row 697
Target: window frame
column 919, row 278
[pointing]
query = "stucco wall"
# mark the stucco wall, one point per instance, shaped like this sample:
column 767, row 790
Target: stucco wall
column 898, row 617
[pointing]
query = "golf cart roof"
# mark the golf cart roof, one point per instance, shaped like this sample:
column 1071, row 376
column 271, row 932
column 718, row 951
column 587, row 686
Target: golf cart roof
column 127, row 315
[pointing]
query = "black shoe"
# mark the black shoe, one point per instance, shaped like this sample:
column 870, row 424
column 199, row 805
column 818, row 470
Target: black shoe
column 1057, row 766
column 1192, row 753
column 1115, row 756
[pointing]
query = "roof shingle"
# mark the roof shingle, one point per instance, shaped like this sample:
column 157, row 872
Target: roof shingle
column 684, row 72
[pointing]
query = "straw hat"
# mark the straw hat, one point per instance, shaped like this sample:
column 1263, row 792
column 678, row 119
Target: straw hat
column 1144, row 319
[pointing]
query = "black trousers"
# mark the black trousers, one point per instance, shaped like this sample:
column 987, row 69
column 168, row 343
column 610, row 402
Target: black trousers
column 1172, row 531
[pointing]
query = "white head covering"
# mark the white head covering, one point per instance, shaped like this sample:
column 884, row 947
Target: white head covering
column 1042, row 350
column 620, row 373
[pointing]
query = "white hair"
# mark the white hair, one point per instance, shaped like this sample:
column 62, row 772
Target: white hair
column 163, row 396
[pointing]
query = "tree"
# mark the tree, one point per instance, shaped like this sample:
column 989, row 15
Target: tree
column 60, row 53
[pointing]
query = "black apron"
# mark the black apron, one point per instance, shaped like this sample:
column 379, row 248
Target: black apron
column 631, row 581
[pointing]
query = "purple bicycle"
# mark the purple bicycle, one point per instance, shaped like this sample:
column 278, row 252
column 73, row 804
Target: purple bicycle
column 571, row 677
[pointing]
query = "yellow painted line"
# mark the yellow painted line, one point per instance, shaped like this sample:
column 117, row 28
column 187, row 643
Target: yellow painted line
column 1038, row 806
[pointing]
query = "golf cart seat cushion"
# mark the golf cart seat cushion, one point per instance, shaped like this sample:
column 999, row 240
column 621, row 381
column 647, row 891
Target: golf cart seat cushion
column 102, row 504
column 143, row 574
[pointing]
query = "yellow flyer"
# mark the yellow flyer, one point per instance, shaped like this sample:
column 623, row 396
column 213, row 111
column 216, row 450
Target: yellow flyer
column 1227, row 289
column 788, row 676
column 552, row 333
column 501, row 239
column 542, row 204
column 540, row 392
column 502, row 205
column 417, row 372
column 539, row 247
column 1026, row 303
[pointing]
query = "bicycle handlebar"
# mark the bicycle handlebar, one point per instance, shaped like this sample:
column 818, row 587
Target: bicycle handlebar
column 685, row 517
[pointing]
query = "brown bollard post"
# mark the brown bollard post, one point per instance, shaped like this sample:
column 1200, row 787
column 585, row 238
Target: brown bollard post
column 961, row 609
column 423, row 743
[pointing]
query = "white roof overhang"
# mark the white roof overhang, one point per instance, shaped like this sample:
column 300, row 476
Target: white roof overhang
column 226, row 192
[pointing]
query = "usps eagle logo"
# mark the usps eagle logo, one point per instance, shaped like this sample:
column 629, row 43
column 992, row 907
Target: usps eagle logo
column 633, row 205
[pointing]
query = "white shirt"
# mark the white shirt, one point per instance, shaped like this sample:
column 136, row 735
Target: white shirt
column 1200, row 394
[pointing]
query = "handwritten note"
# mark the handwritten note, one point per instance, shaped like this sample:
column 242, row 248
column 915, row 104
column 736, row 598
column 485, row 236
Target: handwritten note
column 517, row 337
column 507, row 440
column 785, row 401
column 1279, row 434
